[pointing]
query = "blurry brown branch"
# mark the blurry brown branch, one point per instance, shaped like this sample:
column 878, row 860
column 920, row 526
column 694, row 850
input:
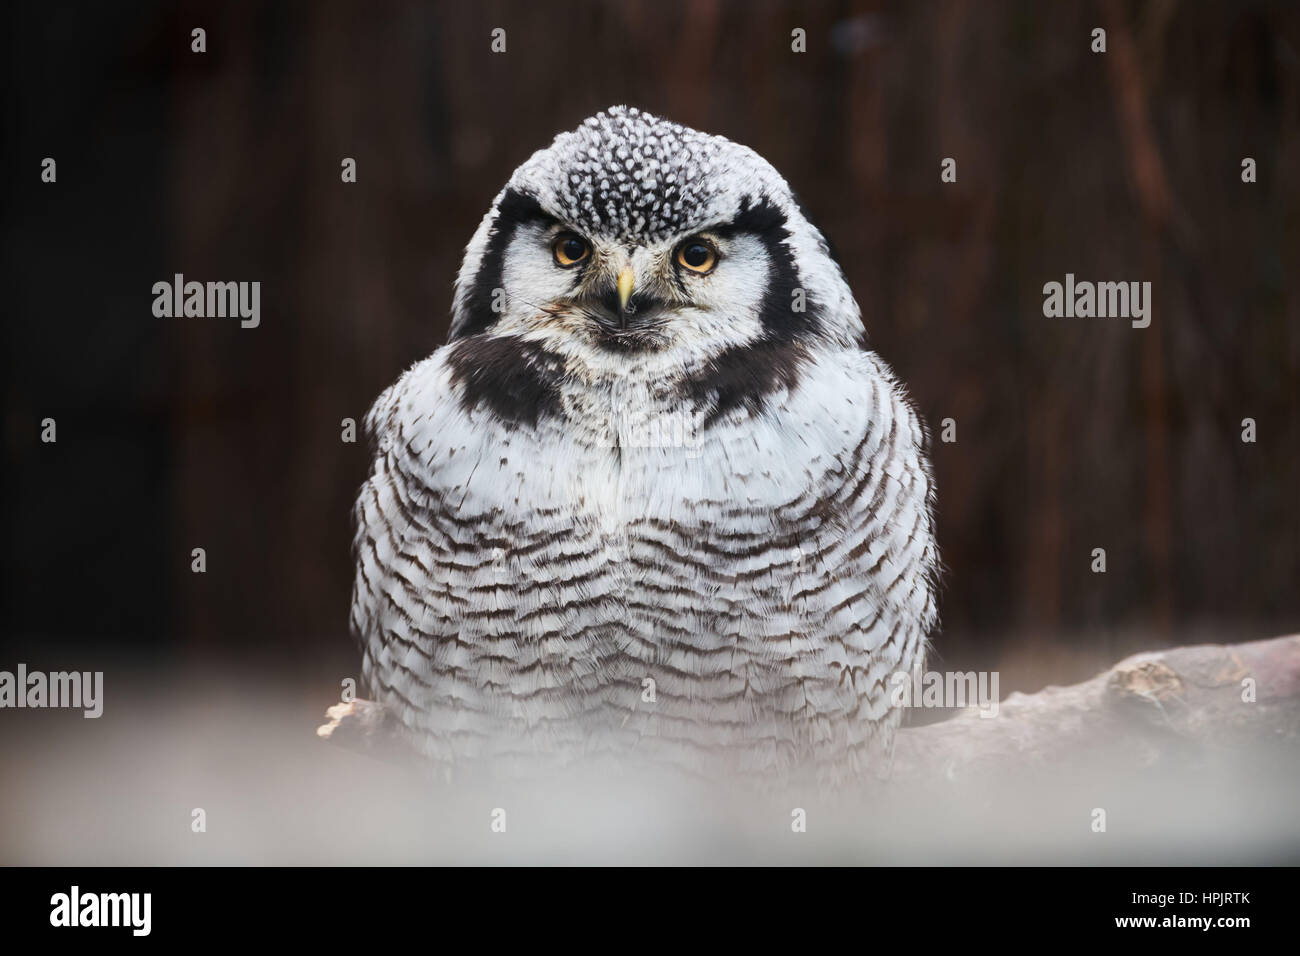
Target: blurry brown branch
column 1132, row 103
column 1150, row 182
column 1135, row 714
column 1139, row 712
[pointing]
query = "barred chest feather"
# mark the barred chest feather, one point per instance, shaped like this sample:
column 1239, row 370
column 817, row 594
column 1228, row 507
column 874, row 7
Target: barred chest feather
column 720, row 567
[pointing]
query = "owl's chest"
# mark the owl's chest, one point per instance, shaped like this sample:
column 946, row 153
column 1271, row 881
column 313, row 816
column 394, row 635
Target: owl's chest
column 692, row 565
column 653, row 526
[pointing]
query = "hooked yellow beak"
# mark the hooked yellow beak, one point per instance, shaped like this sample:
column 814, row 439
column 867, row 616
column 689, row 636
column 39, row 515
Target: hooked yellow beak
column 626, row 279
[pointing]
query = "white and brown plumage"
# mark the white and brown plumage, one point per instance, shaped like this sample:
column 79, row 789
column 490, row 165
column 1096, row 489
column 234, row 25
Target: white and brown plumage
column 655, row 448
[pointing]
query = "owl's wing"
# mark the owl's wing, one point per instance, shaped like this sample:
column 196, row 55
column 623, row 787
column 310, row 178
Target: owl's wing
column 413, row 551
column 864, row 573
column 881, row 559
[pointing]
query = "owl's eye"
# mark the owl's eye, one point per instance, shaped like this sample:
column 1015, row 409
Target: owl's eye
column 698, row 255
column 569, row 249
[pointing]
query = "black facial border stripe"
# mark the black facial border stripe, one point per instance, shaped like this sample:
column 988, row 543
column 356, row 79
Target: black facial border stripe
column 515, row 209
column 765, row 220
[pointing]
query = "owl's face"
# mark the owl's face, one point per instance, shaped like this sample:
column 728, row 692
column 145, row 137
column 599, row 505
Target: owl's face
column 633, row 235
column 565, row 281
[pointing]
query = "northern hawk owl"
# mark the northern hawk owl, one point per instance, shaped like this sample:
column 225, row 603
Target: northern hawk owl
column 655, row 497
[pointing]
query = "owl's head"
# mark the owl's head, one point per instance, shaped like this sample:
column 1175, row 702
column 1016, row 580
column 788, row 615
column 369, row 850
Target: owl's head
column 632, row 234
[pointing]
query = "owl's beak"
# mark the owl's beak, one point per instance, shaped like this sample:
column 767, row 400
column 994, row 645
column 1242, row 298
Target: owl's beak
column 626, row 280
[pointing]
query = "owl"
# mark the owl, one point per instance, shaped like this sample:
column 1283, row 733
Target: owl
column 654, row 500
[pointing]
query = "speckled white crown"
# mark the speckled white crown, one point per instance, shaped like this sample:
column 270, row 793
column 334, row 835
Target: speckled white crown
column 628, row 173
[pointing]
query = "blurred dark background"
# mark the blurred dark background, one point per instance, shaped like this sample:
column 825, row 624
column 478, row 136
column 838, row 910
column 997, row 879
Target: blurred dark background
column 1072, row 434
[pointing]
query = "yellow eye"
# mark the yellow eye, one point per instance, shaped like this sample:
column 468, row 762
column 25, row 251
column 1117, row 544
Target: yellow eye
column 569, row 249
column 698, row 255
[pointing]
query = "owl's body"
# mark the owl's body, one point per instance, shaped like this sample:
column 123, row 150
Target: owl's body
column 696, row 530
